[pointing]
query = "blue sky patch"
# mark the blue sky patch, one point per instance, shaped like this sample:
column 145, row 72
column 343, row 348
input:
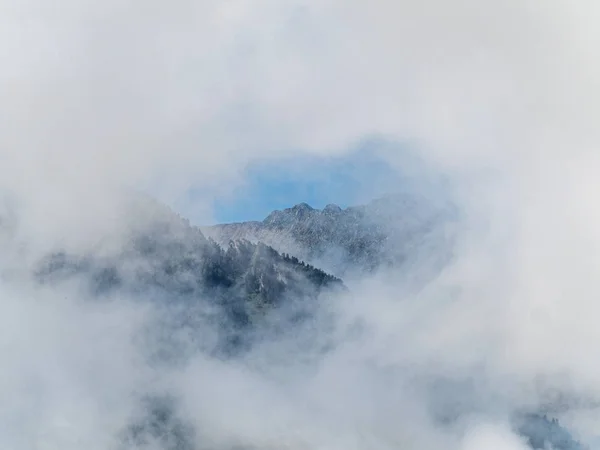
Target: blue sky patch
column 352, row 178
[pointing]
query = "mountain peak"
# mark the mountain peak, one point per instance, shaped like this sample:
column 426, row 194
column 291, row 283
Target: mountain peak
column 332, row 208
column 289, row 214
column 302, row 207
column 380, row 233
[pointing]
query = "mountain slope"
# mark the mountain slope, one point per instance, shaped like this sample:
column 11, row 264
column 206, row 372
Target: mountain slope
column 164, row 259
column 390, row 231
column 171, row 262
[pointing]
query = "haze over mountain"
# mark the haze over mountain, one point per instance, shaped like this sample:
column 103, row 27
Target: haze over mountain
column 119, row 331
column 226, row 301
column 166, row 259
column 393, row 231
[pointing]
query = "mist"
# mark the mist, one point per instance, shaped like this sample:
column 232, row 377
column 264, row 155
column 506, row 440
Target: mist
column 103, row 99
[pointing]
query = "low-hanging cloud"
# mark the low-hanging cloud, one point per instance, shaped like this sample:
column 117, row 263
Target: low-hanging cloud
column 501, row 96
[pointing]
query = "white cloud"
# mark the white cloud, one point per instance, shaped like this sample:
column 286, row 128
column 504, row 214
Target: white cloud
column 119, row 90
column 96, row 95
column 492, row 437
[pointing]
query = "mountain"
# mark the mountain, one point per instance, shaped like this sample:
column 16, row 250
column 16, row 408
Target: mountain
column 394, row 231
column 242, row 290
column 166, row 260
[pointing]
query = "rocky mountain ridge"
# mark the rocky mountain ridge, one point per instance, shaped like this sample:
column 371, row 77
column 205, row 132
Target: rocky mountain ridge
column 387, row 232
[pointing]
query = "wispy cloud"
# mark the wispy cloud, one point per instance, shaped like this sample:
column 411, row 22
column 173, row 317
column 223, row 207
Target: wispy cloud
column 501, row 96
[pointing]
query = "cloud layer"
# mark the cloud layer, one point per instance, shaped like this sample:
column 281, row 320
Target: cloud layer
column 502, row 96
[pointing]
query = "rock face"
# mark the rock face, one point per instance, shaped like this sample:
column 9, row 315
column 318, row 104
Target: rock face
column 390, row 231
